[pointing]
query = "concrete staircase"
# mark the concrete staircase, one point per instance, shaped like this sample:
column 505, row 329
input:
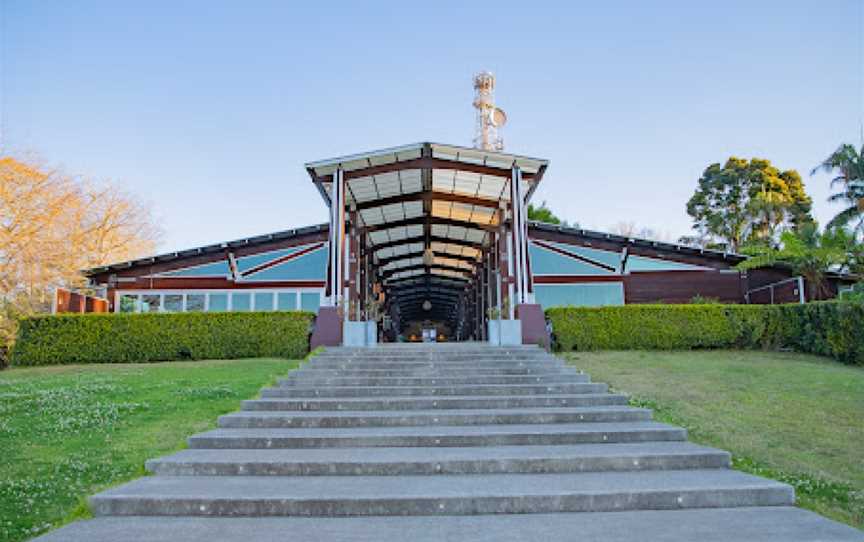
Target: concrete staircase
column 445, row 442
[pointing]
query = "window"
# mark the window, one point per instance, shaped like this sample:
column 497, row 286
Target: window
column 287, row 301
column 264, row 301
column 195, row 302
column 282, row 299
column 128, row 303
column 218, row 302
column 309, row 301
column 150, row 302
column 241, row 302
column 173, row 302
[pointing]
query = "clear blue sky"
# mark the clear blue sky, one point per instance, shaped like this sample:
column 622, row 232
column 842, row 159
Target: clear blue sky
column 209, row 109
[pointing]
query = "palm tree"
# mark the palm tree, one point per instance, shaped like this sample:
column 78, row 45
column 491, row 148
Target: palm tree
column 848, row 163
column 807, row 252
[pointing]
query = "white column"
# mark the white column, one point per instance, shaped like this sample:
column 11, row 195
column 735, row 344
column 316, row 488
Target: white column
column 514, row 257
column 802, row 296
column 337, row 236
column 527, row 296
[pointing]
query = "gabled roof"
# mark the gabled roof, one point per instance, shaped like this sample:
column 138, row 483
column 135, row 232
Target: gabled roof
column 635, row 241
column 210, row 249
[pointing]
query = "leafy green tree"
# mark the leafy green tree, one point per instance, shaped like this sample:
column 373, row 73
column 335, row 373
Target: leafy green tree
column 807, row 252
column 848, row 165
column 747, row 202
column 542, row 214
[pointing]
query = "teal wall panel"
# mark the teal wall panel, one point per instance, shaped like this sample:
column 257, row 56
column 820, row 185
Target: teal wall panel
column 215, row 269
column 311, row 266
column 643, row 263
column 592, row 294
column 547, row 262
column 607, row 257
column 248, row 262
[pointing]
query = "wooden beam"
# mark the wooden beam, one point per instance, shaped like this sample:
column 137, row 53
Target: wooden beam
column 438, row 280
column 454, row 295
column 430, row 220
column 430, row 196
column 385, row 274
column 426, row 162
column 385, row 261
column 421, row 239
column 423, row 289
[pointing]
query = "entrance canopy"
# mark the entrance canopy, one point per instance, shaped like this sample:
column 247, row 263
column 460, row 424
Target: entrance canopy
column 419, row 222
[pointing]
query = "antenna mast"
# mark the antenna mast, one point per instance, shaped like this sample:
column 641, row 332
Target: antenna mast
column 489, row 118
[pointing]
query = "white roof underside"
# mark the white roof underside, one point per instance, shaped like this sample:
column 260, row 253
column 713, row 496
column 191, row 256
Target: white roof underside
column 413, row 151
column 475, row 198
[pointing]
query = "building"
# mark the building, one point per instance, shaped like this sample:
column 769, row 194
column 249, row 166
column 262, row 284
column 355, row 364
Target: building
column 433, row 235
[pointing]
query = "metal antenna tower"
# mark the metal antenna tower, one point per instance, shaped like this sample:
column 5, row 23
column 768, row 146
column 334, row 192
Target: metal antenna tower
column 489, row 118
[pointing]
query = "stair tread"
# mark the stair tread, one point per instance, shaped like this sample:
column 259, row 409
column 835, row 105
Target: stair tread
column 445, row 430
column 774, row 524
column 562, row 396
column 352, row 488
column 434, row 454
column 434, row 412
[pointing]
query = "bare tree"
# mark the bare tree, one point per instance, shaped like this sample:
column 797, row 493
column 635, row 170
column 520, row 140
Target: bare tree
column 52, row 226
column 624, row 229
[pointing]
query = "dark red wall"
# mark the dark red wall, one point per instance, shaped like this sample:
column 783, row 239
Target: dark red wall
column 682, row 286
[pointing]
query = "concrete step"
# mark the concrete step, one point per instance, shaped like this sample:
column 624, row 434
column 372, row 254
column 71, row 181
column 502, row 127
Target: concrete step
column 430, row 403
column 435, row 365
column 307, row 380
column 438, row 495
column 398, row 418
column 425, row 371
column 434, row 353
column 432, row 461
column 443, row 436
column 455, row 359
column 395, row 391
column 745, row 524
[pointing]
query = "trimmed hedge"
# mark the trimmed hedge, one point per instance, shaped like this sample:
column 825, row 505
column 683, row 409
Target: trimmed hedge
column 135, row 338
column 831, row 328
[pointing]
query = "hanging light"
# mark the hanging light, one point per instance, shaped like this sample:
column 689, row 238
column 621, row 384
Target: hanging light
column 428, row 257
column 427, row 305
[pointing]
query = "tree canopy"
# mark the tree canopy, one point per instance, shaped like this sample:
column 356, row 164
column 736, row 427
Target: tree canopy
column 52, row 226
column 847, row 164
column 748, row 201
column 809, row 253
column 542, row 214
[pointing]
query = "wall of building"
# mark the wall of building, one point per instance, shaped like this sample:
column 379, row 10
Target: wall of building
column 287, row 271
column 571, row 269
column 275, row 273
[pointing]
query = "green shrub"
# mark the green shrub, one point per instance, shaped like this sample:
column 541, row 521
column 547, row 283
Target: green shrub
column 831, row 328
column 133, row 338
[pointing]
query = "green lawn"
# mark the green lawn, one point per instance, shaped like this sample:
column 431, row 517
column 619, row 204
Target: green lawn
column 68, row 431
column 792, row 417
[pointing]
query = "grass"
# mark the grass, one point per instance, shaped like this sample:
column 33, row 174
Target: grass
column 791, row 417
column 68, row 431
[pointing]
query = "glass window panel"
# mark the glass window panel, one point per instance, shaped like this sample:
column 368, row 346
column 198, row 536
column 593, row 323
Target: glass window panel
column 241, row 302
column 264, row 301
column 173, row 302
column 218, row 302
column 287, row 301
column 195, row 302
column 128, row 303
column 150, row 302
column 309, row 301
